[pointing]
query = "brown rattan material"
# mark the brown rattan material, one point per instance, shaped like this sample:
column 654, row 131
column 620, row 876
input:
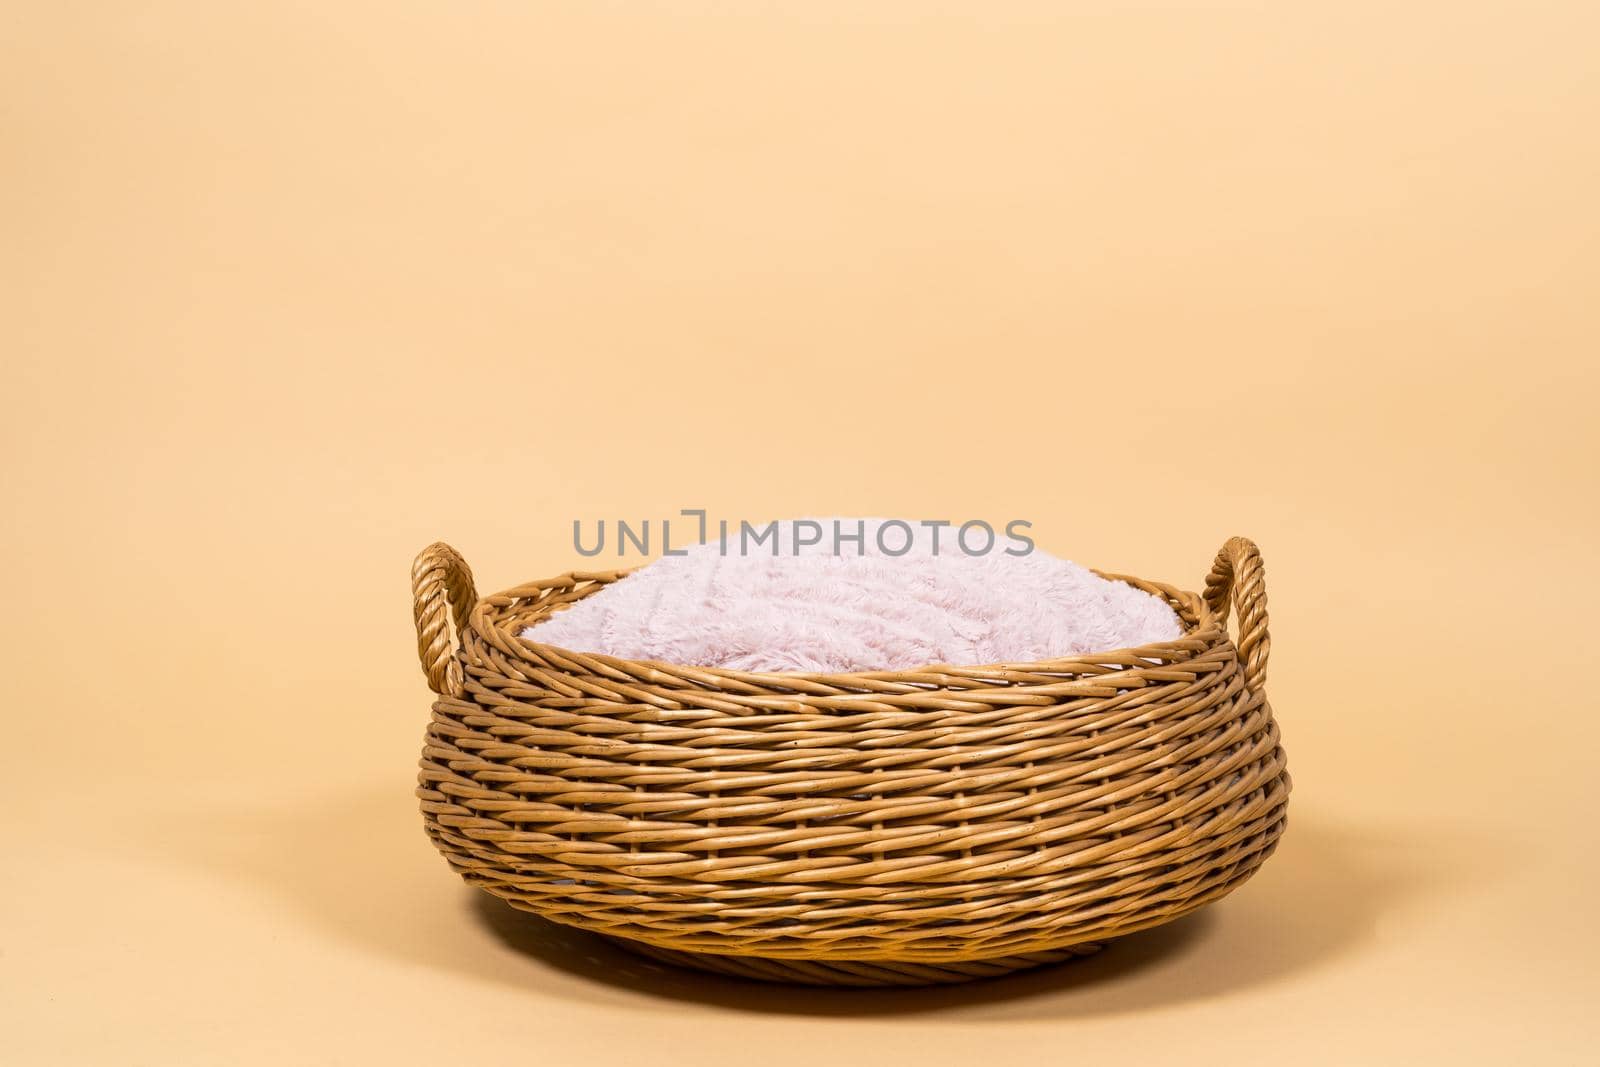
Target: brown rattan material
column 878, row 828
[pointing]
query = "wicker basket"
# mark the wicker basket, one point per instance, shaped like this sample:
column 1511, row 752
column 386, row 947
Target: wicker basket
column 883, row 828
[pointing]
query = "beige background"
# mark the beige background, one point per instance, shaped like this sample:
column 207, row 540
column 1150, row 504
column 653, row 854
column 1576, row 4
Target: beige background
column 290, row 290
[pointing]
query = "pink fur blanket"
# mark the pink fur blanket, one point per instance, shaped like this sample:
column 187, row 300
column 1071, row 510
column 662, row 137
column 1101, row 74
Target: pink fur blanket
column 818, row 611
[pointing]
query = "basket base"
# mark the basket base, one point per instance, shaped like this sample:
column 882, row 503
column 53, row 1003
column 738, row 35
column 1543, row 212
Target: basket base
column 854, row 972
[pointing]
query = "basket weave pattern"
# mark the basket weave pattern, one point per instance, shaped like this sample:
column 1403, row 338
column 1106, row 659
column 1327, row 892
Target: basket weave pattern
column 894, row 827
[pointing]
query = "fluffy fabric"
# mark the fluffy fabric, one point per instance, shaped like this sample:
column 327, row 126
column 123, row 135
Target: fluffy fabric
column 818, row 611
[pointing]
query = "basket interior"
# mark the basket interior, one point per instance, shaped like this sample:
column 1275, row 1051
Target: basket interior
column 511, row 612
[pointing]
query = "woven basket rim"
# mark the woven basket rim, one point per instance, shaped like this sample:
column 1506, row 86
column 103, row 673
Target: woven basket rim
column 1200, row 633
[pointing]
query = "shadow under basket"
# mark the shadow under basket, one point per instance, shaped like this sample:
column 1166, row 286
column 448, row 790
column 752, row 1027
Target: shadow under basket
column 872, row 828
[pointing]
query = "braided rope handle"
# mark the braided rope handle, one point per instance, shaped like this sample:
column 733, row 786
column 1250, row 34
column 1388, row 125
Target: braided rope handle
column 442, row 594
column 1239, row 577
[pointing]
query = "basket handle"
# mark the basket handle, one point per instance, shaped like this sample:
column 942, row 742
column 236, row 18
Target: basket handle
column 442, row 594
column 1239, row 577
